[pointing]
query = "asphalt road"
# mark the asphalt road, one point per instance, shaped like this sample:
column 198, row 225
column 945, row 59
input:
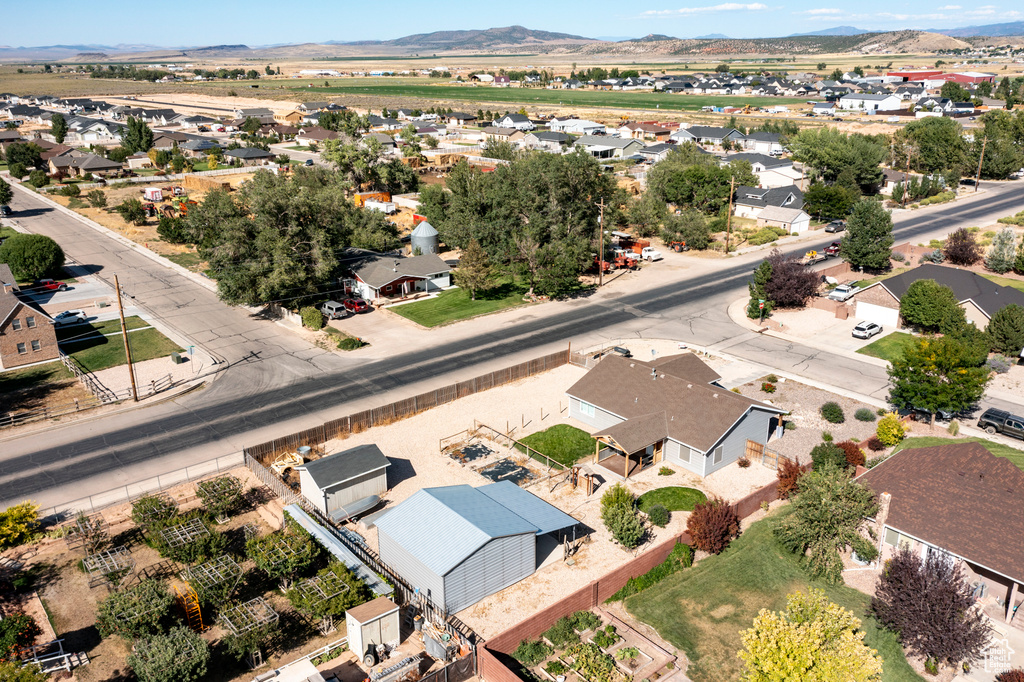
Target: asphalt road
column 277, row 384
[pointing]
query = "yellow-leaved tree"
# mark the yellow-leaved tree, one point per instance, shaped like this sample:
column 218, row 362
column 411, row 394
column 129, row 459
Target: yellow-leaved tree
column 18, row 523
column 813, row 640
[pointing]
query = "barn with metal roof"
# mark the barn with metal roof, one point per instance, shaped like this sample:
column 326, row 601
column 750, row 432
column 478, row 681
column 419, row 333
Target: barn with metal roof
column 458, row 544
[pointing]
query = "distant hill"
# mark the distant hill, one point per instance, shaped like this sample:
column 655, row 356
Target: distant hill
column 508, row 36
column 651, row 38
column 713, row 36
column 1013, row 28
column 836, row 31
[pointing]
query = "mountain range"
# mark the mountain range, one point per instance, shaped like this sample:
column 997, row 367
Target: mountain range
column 836, row 31
column 1013, row 28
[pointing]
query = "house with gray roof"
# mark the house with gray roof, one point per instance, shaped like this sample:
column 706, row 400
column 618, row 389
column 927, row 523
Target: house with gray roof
column 378, row 276
column 748, row 201
column 547, row 140
column 601, row 147
column 459, row 544
column 672, row 411
column 517, row 121
column 250, row 156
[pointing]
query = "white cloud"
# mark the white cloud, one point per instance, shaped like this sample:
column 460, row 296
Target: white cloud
column 724, row 7
column 822, row 11
column 949, row 7
column 983, row 11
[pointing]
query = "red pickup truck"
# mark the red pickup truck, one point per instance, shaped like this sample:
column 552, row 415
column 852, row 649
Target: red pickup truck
column 51, row 285
column 832, row 251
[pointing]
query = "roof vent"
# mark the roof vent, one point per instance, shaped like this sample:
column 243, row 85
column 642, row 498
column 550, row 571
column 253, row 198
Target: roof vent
column 632, row 364
column 689, row 385
column 637, row 399
column 714, row 395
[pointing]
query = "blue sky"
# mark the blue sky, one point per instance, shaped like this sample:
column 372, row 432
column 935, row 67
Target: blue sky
column 264, row 22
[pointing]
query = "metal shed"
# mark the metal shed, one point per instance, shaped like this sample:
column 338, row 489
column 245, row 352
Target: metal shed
column 330, row 483
column 458, row 544
column 370, row 624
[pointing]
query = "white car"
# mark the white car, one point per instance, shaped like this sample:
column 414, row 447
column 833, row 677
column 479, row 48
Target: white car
column 843, row 292
column 69, row 317
column 865, row 330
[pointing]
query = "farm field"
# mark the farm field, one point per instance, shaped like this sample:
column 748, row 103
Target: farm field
column 524, row 96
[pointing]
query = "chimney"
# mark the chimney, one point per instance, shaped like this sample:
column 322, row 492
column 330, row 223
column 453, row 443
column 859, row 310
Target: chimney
column 881, row 516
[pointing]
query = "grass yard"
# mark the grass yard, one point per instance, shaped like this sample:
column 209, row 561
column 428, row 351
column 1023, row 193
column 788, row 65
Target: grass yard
column 19, row 379
column 100, row 352
column 1006, row 281
column 189, row 259
column 878, row 278
column 998, row 449
column 441, row 90
column 107, row 327
column 672, row 498
column 890, row 347
column 6, row 232
column 563, row 443
column 455, row 304
column 299, row 148
column 703, row 609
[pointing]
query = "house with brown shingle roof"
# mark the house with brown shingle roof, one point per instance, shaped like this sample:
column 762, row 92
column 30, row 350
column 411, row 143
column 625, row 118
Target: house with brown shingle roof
column 27, row 334
column 964, row 502
column 672, row 411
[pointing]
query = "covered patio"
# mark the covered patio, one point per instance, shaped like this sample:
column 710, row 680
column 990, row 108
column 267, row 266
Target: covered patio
column 631, row 446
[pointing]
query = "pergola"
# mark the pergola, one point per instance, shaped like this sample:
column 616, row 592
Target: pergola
column 111, row 566
column 248, row 616
column 214, row 573
column 184, row 533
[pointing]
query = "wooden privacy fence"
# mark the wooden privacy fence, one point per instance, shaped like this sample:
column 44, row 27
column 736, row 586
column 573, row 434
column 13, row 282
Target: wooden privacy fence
column 402, row 409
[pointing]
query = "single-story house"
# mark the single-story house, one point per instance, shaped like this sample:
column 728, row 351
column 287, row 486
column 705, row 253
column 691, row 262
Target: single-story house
column 315, row 134
column 963, row 502
column 645, row 131
column 336, row 481
column 823, row 108
column 656, row 152
column 459, row 544
column 139, row 160
column 669, row 410
column 250, row 156
column 27, row 333
column 547, row 140
column 80, row 163
column 979, row 297
column 378, row 276
column 503, row 134
column 748, row 202
column 167, row 141
column 517, row 121
column 576, row 126
column 707, row 135
column 601, row 147
column 459, row 118
column 770, row 171
column 289, row 117
column 794, row 220
column 261, row 114
column 870, row 103
column 385, row 141
column 197, row 148
column 763, row 143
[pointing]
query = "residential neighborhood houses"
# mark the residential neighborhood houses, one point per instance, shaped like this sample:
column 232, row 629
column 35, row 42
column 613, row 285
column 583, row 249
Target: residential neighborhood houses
column 536, row 377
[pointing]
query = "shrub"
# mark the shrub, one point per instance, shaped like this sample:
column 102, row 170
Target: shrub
column 665, row 471
column 18, row 170
column 827, row 455
column 312, row 318
column 768, row 388
column 827, row 437
column 890, row 430
column 763, row 236
column 864, row 415
column 172, row 230
column 999, row 364
column 712, row 525
column 898, row 256
column 562, row 633
column 351, row 343
column 679, row 558
column 531, row 652
column 788, row 473
column 616, row 496
column 96, row 198
column 743, row 462
column 875, row 445
column 136, row 611
column 70, row 191
column 585, row 620
column 627, row 653
column 555, row 668
column 201, row 549
column 1016, row 674
column 658, row 515
column 607, row 637
column 16, row 632
column 179, row 656
column 854, row 455
column 832, row 413
column 625, row 526
column 790, row 425
column 153, row 509
column 954, row 428
column 38, row 178
column 772, row 379
column 31, row 256
column 18, row 524
column 881, row 411
column 935, row 256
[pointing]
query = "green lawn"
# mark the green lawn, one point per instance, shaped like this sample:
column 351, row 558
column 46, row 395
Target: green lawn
column 673, row 498
column 100, row 352
column 6, row 232
column 890, row 347
column 299, row 148
column 525, row 96
column 455, row 304
column 107, row 327
column 563, row 443
column 1006, row 281
column 998, row 449
column 703, row 609
column 864, row 283
column 19, row 379
column 188, row 259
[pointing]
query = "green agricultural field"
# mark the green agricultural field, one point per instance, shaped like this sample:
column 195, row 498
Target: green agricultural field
column 703, row 609
column 442, row 90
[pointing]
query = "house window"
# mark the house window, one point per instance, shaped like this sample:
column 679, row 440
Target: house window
column 36, row 346
column 719, row 451
column 21, row 349
column 895, row 539
column 16, row 324
column 586, row 409
column 30, row 321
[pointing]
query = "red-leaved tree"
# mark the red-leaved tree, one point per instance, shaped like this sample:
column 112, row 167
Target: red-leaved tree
column 928, row 603
column 854, row 455
column 961, row 248
column 791, row 283
column 712, row 525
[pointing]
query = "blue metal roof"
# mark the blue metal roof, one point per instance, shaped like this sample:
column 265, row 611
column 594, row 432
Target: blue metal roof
column 441, row 527
column 546, row 517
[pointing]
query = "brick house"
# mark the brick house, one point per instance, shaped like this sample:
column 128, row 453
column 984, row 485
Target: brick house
column 964, row 502
column 27, row 333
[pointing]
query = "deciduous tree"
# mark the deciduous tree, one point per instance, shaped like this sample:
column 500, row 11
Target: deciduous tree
column 791, row 283
column 474, row 271
column 6, row 193
column 690, row 227
column 937, row 374
column 829, row 202
column 829, row 152
column 927, row 305
column 813, row 640
column 961, row 248
column 31, row 256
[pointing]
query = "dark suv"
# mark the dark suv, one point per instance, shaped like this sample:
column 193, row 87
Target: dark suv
column 1001, row 421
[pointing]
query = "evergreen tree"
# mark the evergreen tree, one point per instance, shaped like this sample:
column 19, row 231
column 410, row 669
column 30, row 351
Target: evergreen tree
column 59, row 128
column 758, row 291
column 474, row 271
column 1000, row 255
column 1006, row 330
column 136, row 136
column 868, row 242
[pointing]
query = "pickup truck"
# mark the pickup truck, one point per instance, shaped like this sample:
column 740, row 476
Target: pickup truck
column 832, row 250
column 843, row 292
column 1000, row 421
column 812, row 257
column 650, row 254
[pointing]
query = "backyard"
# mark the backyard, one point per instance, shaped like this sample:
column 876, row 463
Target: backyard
column 563, row 443
column 703, row 609
column 889, row 347
column 96, row 351
column 672, row 498
column 455, row 304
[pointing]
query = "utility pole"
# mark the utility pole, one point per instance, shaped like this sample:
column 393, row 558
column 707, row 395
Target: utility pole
column 600, row 245
column 728, row 218
column 977, row 179
column 127, row 346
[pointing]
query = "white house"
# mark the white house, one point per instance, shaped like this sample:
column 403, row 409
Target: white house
column 794, row 220
column 576, row 126
column 517, row 121
column 382, row 277
column 869, row 103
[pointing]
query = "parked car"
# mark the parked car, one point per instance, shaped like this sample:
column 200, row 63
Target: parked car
column 333, row 310
column 843, row 292
column 50, row 285
column 5, row 211
column 836, row 226
column 1001, row 421
column 865, row 330
column 832, row 250
column 309, row 162
column 924, row 415
column 69, row 317
column 356, row 305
